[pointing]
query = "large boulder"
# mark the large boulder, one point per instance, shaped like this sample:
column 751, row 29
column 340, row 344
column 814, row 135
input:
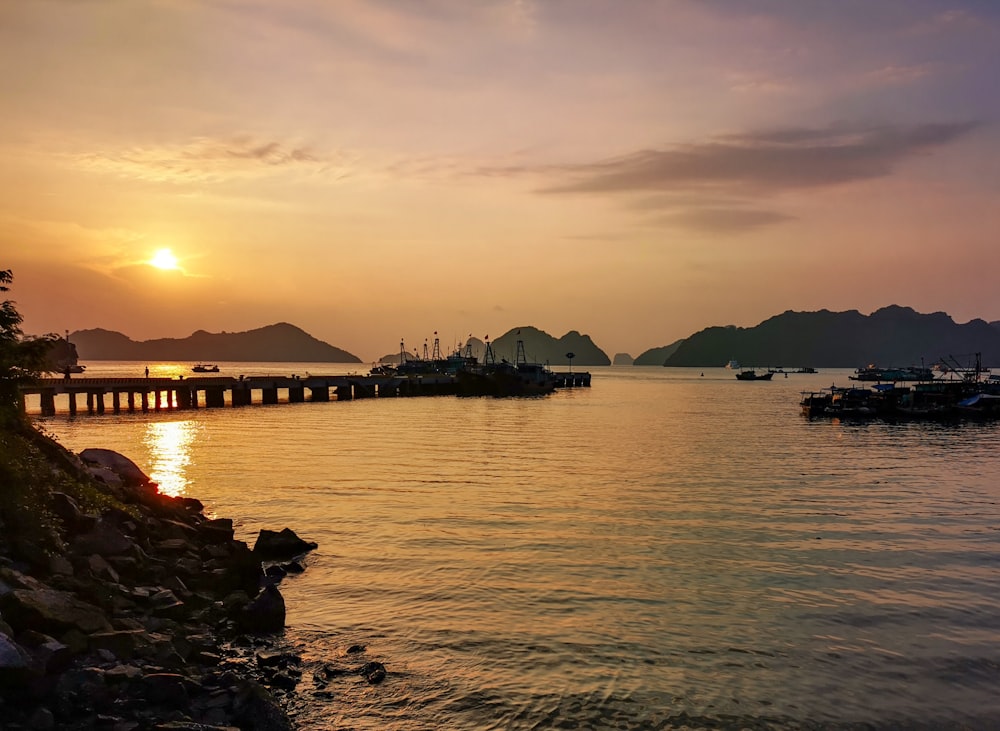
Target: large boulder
column 280, row 545
column 52, row 611
column 265, row 613
column 119, row 464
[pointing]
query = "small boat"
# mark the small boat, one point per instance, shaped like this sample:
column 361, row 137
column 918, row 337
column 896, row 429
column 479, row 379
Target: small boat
column 205, row 368
column 749, row 374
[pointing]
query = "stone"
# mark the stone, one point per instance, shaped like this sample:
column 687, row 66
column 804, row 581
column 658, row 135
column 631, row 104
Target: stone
column 166, row 688
column 53, row 611
column 265, row 613
column 42, row 719
column 124, row 644
column 105, row 539
column 101, row 569
column 280, row 545
column 121, row 465
column 218, row 530
column 14, row 668
column 373, row 672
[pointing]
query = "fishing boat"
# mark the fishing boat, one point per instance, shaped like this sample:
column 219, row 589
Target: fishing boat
column 503, row 378
column 205, row 368
column 872, row 372
column 749, row 374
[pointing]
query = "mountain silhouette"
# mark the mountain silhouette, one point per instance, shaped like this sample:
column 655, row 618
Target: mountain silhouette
column 657, row 356
column 280, row 342
column 891, row 336
column 540, row 347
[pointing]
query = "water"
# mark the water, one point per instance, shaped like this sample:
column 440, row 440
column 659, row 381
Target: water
column 663, row 550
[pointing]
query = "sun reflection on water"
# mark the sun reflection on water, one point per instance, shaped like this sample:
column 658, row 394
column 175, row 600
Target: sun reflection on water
column 169, row 445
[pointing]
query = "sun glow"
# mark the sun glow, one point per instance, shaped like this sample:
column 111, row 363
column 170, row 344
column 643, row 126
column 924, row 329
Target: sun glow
column 164, row 259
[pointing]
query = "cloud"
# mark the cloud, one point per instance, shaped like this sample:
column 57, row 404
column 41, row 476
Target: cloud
column 206, row 160
column 761, row 163
column 722, row 220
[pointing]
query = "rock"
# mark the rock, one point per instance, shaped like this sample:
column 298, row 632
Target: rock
column 104, row 539
column 14, row 669
column 124, row 644
column 119, row 464
column 219, row 530
column 42, row 719
column 53, row 611
column 166, row 688
column 67, row 510
column 373, row 672
column 101, row 569
column 60, row 565
column 265, row 613
column 272, row 545
column 256, row 709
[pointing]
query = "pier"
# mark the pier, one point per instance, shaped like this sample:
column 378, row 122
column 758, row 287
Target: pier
column 160, row 394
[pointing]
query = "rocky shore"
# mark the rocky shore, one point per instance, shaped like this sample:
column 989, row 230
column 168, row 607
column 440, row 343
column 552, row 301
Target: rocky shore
column 122, row 608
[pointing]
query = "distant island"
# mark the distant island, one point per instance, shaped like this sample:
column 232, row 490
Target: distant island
column 539, row 347
column 891, row 336
column 280, row 342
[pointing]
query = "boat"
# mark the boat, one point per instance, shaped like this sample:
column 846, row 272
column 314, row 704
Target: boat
column 733, row 365
column 749, row 374
column 205, row 368
column 872, row 372
column 503, row 378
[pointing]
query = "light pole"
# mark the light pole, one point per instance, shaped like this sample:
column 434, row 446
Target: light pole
column 570, row 357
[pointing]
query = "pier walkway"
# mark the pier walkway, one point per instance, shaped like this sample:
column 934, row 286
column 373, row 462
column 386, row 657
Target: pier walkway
column 145, row 394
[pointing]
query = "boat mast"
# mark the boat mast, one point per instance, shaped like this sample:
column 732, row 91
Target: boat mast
column 488, row 355
column 436, row 353
column 520, row 357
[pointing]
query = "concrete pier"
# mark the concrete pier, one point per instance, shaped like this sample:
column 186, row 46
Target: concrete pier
column 222, row 391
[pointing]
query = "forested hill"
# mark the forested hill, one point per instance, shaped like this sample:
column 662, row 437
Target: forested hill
column 891, row 336
column 540, row 347
column 276, row 343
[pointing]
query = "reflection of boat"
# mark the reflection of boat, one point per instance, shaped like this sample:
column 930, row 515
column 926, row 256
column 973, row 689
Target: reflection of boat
column 205, row 368
column 751, row 375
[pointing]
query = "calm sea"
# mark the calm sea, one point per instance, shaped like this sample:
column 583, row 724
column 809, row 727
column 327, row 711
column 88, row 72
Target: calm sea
column 671, row 548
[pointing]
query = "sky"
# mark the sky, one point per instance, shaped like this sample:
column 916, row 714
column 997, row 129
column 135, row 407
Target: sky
column 378, row 170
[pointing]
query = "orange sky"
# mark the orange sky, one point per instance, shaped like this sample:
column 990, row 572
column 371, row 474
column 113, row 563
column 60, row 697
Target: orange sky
column 371, row 171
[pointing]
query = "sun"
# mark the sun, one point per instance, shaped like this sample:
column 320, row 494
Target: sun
column 163, row 259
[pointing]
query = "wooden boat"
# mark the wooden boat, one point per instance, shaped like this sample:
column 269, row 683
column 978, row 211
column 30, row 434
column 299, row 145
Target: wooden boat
column 205, row 368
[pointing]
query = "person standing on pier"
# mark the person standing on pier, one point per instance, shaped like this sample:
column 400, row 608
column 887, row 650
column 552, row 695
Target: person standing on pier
column 147, row 371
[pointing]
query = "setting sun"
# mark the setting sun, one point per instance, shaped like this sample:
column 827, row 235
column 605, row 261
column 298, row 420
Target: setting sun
column 164, row 259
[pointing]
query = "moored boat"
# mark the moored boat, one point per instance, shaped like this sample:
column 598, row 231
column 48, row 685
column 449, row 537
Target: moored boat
column 872, row 372
column 503, row 378
column 749, row 374
column 205, row 368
